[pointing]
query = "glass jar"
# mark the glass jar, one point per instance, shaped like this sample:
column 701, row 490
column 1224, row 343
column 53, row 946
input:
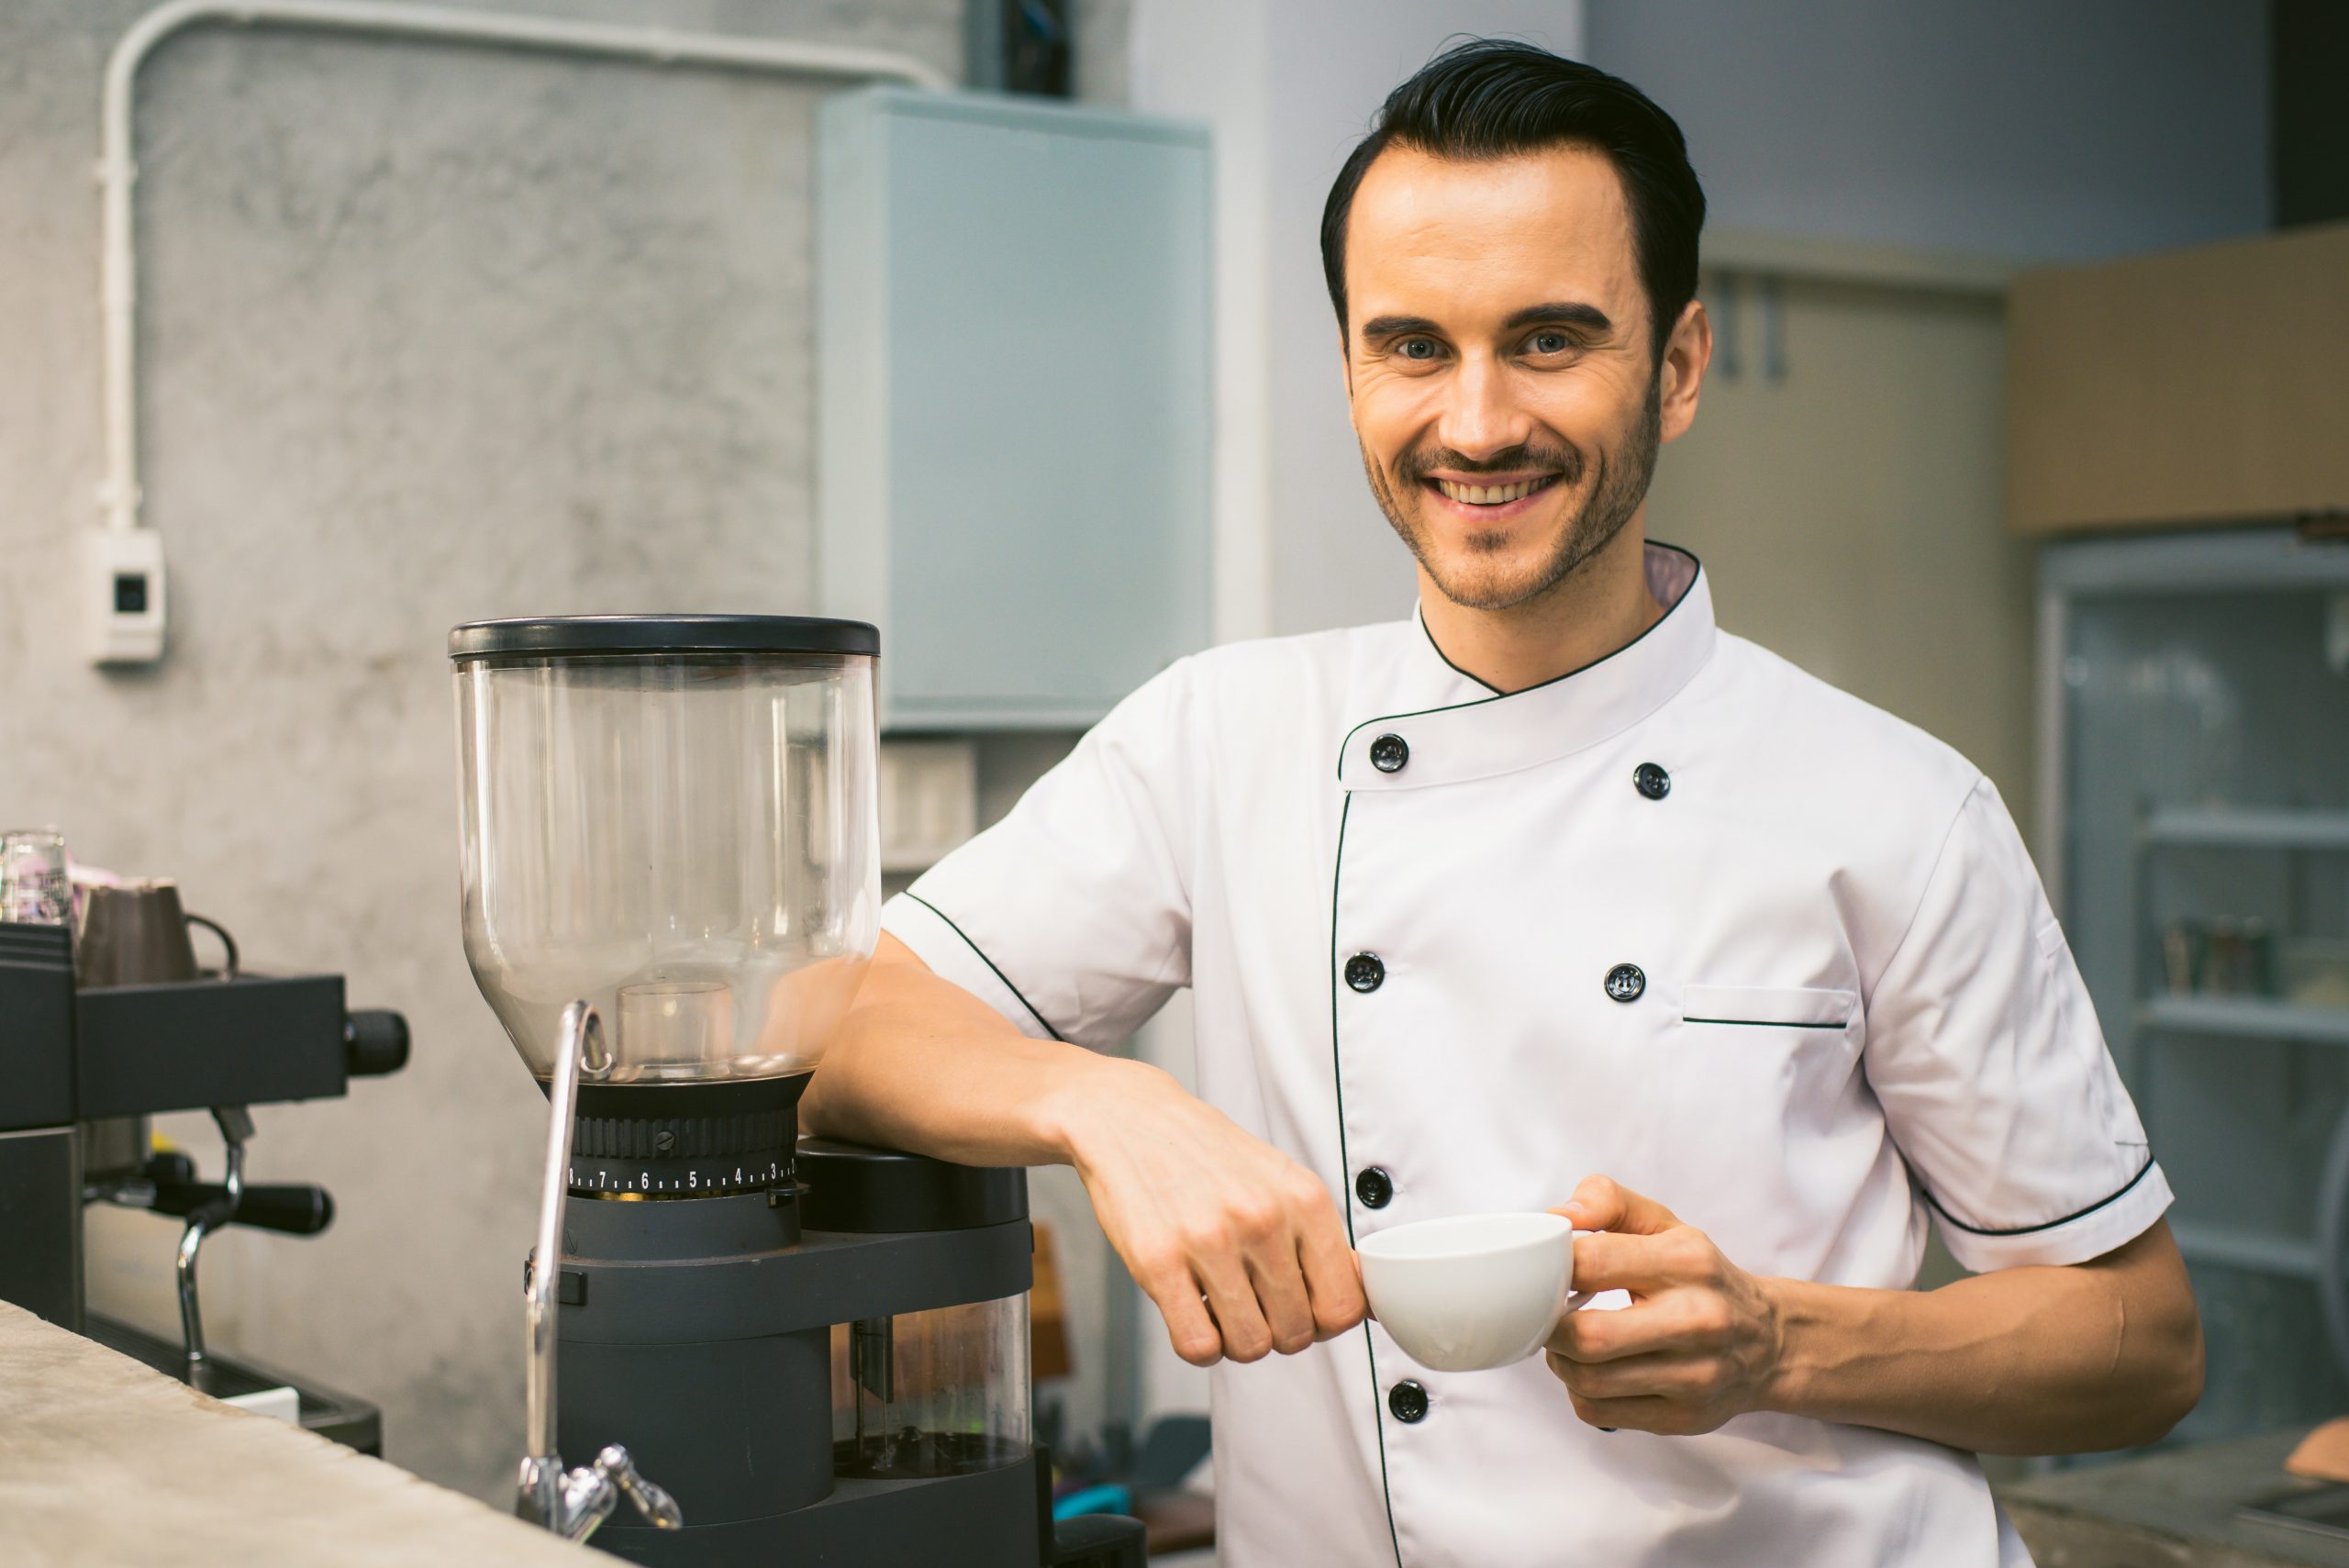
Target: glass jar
column 931, row 1394
column 675, row 819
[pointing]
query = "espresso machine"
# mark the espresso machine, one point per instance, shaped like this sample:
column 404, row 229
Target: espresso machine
column 775, row 1348
column 90, row 1050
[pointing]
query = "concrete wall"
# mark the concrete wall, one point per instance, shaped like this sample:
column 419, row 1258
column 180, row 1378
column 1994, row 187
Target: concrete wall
column 431, row 334
column 2008, row 127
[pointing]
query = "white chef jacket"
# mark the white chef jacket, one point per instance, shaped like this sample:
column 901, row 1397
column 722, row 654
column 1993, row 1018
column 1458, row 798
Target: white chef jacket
column 1686, row 916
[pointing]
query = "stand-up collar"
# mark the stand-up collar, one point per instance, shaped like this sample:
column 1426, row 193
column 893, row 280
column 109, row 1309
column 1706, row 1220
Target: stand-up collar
column 1497, row 732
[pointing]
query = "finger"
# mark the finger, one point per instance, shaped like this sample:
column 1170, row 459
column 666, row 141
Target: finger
column 1173, row 1289
column 1278, row 1276
column 1681, row 1378
column 1673, row 1320
column 1643, row 1264
column 1332, row 1275
column 1641, row 1415
column 1231, row 1300
column 1601, row 1203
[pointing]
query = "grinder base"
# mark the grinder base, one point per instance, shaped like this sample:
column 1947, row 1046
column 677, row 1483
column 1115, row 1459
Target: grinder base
column 697, row 1333
column 988, row 1519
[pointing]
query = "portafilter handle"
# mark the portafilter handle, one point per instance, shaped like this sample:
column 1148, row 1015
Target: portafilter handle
column 570, row 1503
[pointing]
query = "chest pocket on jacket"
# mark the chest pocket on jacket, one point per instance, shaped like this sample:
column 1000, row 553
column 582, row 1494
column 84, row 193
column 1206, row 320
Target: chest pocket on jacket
column 1766, row 1006
column 1764, row 1057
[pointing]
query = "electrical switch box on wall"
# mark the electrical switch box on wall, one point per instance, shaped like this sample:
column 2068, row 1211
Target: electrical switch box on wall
column 122, row 588
column 1012, row 335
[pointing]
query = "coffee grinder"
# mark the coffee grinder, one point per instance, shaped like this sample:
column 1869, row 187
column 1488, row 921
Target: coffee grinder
column 776, row 1350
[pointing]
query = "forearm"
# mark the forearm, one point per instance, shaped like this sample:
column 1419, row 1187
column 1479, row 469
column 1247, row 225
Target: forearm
column 2026, row 1360
column 1240, row 1246
column 922, row 1065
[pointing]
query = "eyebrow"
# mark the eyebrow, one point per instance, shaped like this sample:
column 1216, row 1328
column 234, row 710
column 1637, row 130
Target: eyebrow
column 1571, row 313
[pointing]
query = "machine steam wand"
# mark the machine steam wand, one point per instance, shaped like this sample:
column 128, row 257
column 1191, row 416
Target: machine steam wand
column 570, row 1503
column 235, row 1125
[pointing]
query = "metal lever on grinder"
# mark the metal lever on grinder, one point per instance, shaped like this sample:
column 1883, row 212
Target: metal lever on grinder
column 658, row 1508
column 571, row 1502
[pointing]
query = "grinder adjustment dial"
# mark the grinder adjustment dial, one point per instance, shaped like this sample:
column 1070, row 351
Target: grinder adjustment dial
column 685, row 1141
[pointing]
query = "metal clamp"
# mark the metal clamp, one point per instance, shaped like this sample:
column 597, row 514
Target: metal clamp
column 570, row 1503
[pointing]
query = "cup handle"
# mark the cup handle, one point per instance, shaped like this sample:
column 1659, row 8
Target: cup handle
column 1575, row 1298
column 228, row 969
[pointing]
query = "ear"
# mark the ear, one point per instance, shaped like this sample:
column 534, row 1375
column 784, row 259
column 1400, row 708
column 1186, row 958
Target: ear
column 1687, row 354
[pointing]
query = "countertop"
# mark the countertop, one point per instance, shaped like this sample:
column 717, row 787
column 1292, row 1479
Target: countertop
column 105, row 1462
column 2172, row 1509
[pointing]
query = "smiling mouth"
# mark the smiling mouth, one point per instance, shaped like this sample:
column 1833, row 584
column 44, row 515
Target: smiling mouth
column 1492, row 495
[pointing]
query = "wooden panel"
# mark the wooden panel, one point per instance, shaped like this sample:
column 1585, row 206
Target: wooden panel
column 2201, row 386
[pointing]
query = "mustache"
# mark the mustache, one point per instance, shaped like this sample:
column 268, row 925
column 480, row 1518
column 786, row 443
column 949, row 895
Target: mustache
column 1565, row 461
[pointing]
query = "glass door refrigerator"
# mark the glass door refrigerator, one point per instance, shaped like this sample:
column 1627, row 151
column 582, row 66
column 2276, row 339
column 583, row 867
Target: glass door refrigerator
column 2193, row 825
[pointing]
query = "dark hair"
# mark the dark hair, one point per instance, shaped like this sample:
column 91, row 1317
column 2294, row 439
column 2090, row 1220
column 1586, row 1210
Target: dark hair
column 1500, row 98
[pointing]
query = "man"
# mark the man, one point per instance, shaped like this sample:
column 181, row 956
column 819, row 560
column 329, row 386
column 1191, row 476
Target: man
column 1554, row 895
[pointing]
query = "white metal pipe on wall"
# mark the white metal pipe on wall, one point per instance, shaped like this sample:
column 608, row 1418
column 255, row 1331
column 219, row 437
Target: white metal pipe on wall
column 118, row 285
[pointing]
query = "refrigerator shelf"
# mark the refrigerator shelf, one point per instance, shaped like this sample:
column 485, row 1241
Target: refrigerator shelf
column 2245, row 1017
column 2193, row 745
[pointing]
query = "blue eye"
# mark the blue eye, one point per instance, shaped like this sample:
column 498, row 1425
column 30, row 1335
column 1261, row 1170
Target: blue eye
column 1418, row 348
column 1551, row 343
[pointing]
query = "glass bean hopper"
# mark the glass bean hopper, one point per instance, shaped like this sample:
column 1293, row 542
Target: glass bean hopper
column 673, row 819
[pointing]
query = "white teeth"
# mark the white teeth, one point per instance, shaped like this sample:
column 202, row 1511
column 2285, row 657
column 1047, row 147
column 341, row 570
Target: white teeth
column 1488, row 495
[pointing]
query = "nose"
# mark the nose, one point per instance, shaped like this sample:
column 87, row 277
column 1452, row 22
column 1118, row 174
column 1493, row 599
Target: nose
column 1481, row 415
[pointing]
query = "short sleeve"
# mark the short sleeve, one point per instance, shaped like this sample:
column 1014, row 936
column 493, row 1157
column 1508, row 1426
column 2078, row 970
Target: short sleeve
column 1072, row 917
column 1983, row 1049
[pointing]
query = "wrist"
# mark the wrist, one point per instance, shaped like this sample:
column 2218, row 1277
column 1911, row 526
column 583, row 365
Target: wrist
column 1794, row 1326
column 1088, row 1100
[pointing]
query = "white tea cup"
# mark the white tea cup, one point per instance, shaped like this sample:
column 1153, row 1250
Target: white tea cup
column 1471, row 1291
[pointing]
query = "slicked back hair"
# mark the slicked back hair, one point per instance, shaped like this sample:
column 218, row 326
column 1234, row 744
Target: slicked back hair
column 1490, row 98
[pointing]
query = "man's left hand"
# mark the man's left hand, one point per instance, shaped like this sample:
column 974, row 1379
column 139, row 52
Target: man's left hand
column 1701, row 1340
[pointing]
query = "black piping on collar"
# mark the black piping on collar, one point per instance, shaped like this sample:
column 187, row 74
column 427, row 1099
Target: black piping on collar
column 2113, row 1196
column 1438, row 647
column 1000, row 975
column 1670, row 610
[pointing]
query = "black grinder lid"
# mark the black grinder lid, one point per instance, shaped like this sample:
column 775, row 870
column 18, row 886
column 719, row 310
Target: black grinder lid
column 561, row 636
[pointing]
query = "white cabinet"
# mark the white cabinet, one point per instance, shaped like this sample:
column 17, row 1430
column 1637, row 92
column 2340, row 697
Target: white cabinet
column 1013, row 344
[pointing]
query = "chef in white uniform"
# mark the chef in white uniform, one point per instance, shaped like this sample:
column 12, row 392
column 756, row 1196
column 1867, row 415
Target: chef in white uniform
column 1554, row 894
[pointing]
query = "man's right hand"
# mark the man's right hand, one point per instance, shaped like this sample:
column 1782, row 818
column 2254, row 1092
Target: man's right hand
column 1240, row 1246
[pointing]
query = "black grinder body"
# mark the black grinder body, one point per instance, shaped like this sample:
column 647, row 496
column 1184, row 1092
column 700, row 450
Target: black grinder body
column 697, row 1331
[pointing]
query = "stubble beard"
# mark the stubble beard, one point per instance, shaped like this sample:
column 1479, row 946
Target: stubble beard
column 1619, row 478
